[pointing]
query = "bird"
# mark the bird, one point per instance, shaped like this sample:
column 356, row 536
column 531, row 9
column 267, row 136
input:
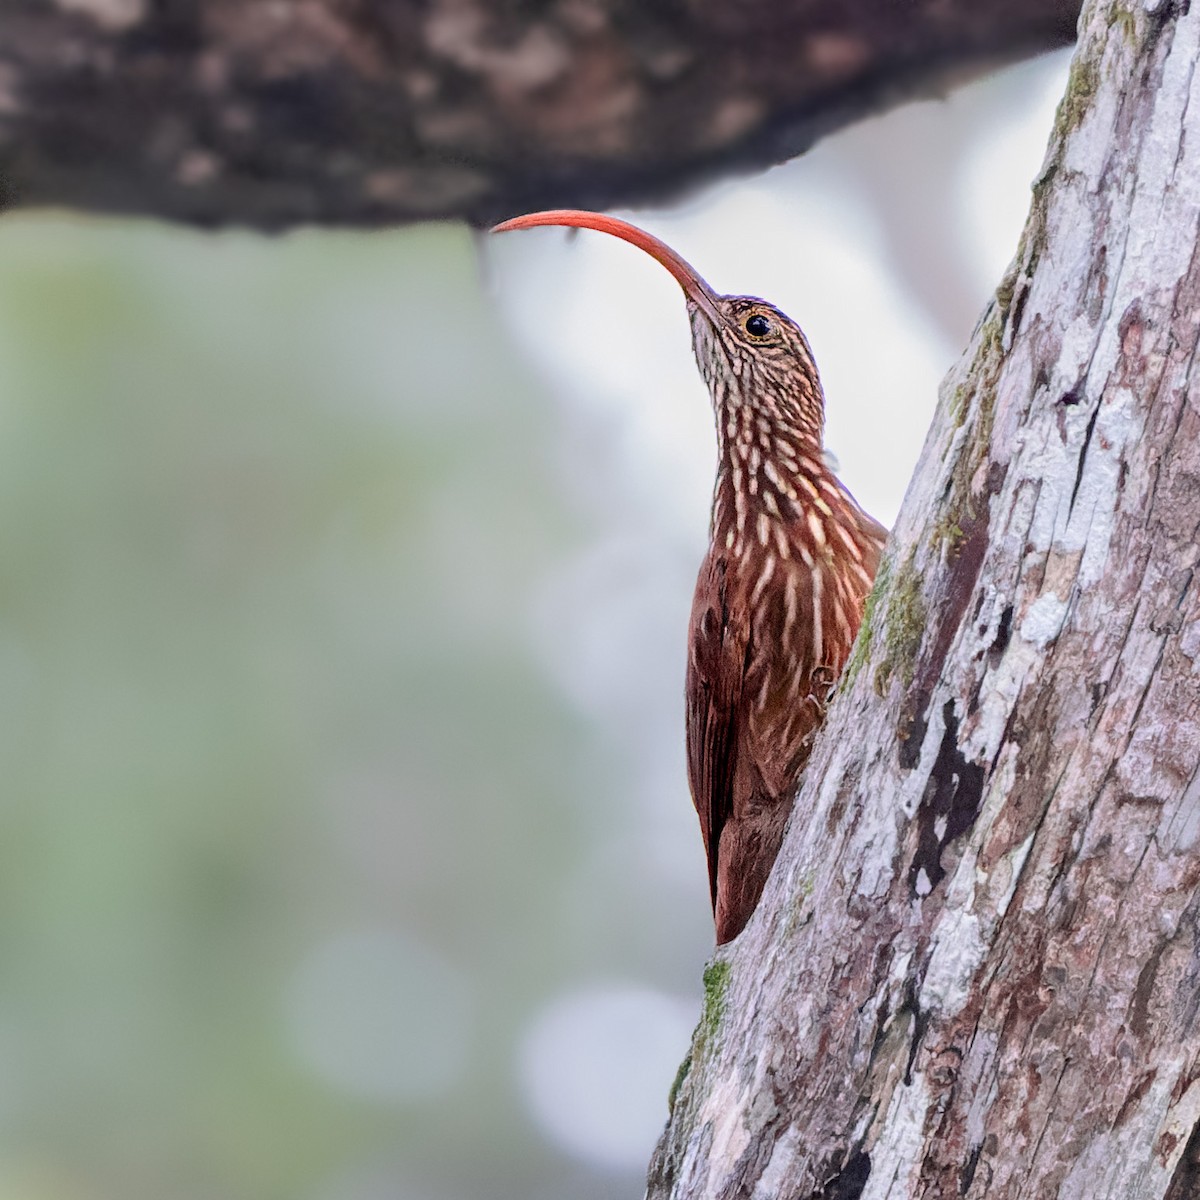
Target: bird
column 782, row 587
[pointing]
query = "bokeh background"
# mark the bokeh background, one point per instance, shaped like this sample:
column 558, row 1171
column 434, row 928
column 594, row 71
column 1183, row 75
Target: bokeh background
column 345, row 844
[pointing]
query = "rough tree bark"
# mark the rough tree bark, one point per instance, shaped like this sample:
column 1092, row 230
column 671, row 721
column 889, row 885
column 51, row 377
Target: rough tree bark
column 274, row 112
column 976, row 969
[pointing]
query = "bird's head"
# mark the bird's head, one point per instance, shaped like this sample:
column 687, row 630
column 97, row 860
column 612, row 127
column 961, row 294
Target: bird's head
column 750, row 354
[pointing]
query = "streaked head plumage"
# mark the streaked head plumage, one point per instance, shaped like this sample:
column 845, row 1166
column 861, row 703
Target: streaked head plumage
column 749, row 352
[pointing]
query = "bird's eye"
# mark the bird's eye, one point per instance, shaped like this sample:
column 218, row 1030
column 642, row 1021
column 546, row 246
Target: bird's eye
column 757, row 325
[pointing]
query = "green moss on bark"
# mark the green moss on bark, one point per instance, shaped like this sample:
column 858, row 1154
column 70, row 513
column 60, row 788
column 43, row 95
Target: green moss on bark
column 904, row 623
column 716, row 985
column 1082, row 82
column 861, row 650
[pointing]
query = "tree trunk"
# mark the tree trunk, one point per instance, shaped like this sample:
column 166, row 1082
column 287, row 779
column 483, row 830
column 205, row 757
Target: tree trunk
column 376, row 111
column 976, row 968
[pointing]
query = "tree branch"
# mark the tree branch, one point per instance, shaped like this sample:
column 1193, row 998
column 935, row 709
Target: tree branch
column 361, row 112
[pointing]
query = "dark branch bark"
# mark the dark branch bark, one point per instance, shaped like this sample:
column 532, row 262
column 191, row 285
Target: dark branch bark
column 365, row 112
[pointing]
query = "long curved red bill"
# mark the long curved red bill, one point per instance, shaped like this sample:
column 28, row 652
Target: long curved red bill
column 693, row 285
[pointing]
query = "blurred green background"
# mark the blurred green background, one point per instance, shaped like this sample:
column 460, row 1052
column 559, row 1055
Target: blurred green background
column 272, row 515
column 346, row 848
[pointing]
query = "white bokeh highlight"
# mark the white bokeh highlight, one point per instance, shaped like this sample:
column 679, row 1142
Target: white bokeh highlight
column 595, row 1066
